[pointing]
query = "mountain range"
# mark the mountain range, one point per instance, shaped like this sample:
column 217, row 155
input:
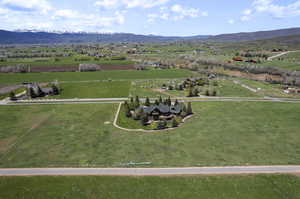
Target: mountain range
column 39, row 37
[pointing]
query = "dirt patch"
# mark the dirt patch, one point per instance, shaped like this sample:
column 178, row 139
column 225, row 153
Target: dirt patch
column 260, row 77
column 6, row 143
column 117, row 67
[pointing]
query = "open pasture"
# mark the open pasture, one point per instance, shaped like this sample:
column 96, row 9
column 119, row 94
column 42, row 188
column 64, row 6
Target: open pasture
column 193, row 187
column 220, row 133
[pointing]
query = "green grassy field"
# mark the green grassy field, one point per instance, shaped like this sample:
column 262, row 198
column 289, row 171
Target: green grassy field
column 84, row 76
column 220, row 133
column 63, row 61
column 217, row 187
column 109, row 89
column 152, row 88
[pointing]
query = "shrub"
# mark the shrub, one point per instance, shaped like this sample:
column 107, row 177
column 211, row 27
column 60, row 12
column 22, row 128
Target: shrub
column 144, row 119
column 189, row 109
column 12, row 96
column 207, row 93
column 161, row 124
column 174, row 123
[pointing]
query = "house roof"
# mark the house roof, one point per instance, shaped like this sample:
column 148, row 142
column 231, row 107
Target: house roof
column 47, row 90
column 163, row 108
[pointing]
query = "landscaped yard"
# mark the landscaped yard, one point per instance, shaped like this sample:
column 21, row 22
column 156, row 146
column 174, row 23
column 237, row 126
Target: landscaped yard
column 107, row 89
column 220, row 133
column 192, row 187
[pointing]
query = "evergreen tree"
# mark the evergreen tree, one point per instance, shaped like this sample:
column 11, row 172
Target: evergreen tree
column 160, row 99
column 195, row 92
column 144, row 119
column 190, row 92
column 30, row 93
column 147, row 102
column 137, row 101
column 214, row 93
column 169, row 101
column 184, row 108
column 131, row 100
column 156, row 102
column 180, row 87
column 55, row 90
column 131, row 104
column 127, row 109
column 174, row 123
column 176, row 102
column 12, row 96
column 189, row 110
column 207, row 93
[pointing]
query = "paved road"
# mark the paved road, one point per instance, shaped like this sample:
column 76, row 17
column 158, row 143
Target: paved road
column 151, row 171
column 118, row 100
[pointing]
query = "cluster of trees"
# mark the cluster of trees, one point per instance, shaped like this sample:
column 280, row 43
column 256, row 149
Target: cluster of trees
column 19, row 68
column 249, row 54
column 288, row 77
column 132, row 109
column 88, row 67
column 44, row 55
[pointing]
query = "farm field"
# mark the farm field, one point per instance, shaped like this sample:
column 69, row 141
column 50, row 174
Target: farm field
column 152, row 88
column 89, row 76
column 225, row 187
column 220, row 133
column 107, row 89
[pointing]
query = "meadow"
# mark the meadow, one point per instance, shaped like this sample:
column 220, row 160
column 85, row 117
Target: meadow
column 89, row 76
column 107, row 89
column 217, row 187
column 220, row 133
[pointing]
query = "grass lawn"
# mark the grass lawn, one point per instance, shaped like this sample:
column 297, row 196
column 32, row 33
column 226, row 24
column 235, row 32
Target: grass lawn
column 217, row 187
column 84, row 76
column 220, row 133
column 227, row 88
column 94, row 90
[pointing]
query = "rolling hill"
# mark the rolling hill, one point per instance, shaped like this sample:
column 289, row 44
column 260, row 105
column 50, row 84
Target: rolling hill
column 27, row 37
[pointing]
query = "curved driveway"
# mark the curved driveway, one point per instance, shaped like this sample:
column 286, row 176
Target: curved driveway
column 150, row 171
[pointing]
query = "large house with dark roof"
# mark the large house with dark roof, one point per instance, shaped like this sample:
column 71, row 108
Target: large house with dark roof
column 37, row 91
column 162, row 110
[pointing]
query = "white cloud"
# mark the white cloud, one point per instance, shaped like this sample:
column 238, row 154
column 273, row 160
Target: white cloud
column 3, row 11
column 186, row 12
column 245, row 18
column 231, row 21
column 247, row 12
column 271, row 8
column 175, row 12
column 109, row 4
column 42, row 6
column 66, row 13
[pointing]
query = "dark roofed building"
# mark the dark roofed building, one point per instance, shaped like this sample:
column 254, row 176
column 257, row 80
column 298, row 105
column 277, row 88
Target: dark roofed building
column 163, row 109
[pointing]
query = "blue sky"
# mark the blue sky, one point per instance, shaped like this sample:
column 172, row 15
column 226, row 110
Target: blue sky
column 160, row 17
